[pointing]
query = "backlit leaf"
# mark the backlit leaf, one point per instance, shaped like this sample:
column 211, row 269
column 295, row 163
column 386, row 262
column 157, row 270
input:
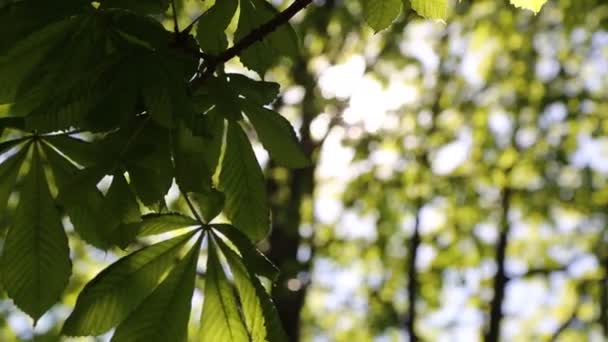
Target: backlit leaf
column 220, row 319
column 242, row 182
column 434, row 9
column 115, row 292
column 163, row 315
column 532, row 5
column 35, row 261
column 380, row 14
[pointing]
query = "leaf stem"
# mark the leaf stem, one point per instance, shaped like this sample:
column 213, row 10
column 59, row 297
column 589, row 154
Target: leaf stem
column 193, row 210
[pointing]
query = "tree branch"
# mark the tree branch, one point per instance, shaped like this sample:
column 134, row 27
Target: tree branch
column 500, row 279
column 252, row 37
column 412, row 281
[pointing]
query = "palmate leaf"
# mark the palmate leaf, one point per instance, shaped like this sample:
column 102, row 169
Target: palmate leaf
column 220, row 320
column 242, row 182
column 380, row 14
column 115, row 292
column 281, row 43
column 210, row 31
column 163, row 315
column 277, row 136
column 35, row 261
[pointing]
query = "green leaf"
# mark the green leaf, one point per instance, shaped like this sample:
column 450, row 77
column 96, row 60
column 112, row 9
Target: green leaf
column 121, row 208
column 140, row 6
column 434, row 9
column 210, row 31
column 157, row 99
column 220, row 320
column 9, row 170
column 380, row 14
column 260, row 313
column 274, row 327
column 11, row 122
column 18, row 63
column 257, row 262
column 35, row 261
column 265, row 53
column 225, row 99
column 277, row 136
column 18, row 19
column 151, row 175
column 163, row 316
column 259, row 92
column 242, row 181
column 196, row 157
column 154, row 224
column 250, row 303
column 80, row 198
column 532, row 5
column 7, row 145
column 115, row 292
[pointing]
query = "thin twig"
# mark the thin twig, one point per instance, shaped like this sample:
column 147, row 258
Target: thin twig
column 252, row 37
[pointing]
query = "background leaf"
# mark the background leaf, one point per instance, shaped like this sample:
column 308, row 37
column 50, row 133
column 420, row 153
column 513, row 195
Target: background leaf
column 434, row 9
column 380, row 14
column 532, row 5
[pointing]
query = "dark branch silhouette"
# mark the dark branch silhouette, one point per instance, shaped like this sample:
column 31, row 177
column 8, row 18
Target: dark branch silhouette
column 212, row 62
column 500, row 279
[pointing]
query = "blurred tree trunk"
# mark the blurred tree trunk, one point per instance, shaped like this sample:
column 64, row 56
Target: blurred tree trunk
column 500, row 278
column 288, row 189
